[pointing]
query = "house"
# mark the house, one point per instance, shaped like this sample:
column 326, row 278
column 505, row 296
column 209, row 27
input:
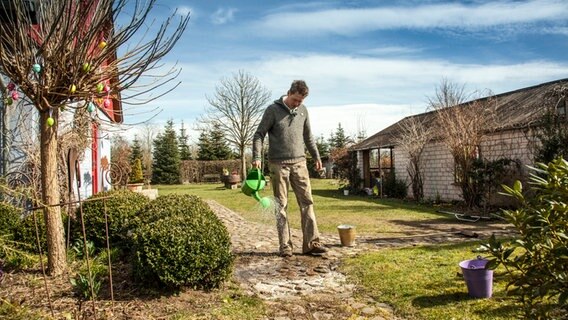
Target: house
column 516, row 113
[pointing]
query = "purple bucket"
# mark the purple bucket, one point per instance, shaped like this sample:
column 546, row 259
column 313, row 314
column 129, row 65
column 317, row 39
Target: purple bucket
column 479, row 280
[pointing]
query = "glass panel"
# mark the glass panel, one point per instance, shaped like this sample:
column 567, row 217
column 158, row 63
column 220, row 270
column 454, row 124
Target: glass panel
column 374, row 158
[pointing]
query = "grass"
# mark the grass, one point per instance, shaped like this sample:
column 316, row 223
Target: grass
column 369, row 215
column 419, row 282
column 422, row 283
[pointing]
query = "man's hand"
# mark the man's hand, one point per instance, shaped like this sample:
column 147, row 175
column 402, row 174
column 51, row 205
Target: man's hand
column 319, row 165
column 256, row 164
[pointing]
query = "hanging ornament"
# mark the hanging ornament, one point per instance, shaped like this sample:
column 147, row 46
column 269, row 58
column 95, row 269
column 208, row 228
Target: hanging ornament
column 9, row 101
column 50, row 121
column 11, row 86
column 86, row 67
column 72, row 88
column 107, row 103
column 100, row 87
column 90, row 107
column 15, row 95
column 102, row 44
column 36, row 68
column 107, row 88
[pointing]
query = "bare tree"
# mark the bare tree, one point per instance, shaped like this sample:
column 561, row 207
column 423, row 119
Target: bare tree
column 412, row 137
column 63, row 50
column 462, row 126
column 237, row 107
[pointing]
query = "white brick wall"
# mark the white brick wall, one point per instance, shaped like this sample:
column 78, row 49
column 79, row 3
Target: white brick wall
column 438, row 164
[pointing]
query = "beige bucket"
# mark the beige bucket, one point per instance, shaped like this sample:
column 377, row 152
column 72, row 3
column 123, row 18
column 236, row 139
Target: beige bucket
column 346, row 235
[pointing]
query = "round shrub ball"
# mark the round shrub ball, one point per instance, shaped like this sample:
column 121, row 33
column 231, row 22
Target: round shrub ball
column 9, row 219
column 25, row 232
column 121, row 207
column 183, row 243
column 20, row 227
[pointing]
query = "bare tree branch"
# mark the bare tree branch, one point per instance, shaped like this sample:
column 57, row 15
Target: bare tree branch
column 237, row 108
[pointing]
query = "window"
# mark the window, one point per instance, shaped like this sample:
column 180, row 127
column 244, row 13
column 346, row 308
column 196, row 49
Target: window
column 374, row 158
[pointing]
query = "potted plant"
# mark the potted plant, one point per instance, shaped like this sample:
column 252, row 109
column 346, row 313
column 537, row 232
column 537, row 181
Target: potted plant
column 136, row 180
column 345, row 187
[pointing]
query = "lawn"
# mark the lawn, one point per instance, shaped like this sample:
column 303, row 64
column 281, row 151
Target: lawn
column 370, row 215
column 419, row 282
column 423, row 283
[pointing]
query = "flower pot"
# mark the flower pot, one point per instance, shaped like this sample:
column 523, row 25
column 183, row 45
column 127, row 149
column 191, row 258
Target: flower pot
column 136, row 187
column 346, row 235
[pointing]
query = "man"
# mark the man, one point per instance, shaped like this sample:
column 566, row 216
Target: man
column 288, row 126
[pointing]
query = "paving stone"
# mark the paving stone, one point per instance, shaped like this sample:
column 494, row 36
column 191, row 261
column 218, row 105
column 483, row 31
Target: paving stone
column 368, row 310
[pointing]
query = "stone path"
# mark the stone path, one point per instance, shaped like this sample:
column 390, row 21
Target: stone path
column 289, row 281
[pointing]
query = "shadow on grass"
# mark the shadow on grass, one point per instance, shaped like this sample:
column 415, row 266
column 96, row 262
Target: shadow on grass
column 439, row 299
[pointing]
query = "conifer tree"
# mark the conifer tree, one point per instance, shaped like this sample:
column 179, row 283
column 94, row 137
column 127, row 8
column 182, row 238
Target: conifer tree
column 219, row 145
column 136, row 150
column 184, row 151
column 136, row 175
column 166, row 168
column 339, row 139
column 136, row 154
column 205, row 149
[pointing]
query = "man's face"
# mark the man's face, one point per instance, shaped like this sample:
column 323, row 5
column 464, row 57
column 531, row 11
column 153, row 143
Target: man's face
column 294, row 100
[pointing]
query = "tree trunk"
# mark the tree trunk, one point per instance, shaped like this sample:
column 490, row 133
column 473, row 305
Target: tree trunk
column 56, row 259
column 243, row 163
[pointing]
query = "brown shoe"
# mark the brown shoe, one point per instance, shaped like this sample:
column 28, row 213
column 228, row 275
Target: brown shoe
column 317, row 250
column 287, row 253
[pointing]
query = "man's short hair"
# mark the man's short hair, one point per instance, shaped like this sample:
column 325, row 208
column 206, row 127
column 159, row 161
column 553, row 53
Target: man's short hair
column 299, row 86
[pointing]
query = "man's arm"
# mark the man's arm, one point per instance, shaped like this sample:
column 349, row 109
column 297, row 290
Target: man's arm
column 310, row 142
column 258, row 138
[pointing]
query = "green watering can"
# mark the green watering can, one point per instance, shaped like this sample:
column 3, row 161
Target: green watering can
column 255, row 182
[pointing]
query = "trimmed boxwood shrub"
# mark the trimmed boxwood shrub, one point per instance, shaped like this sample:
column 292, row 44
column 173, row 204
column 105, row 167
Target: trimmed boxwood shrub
column 122, row 207
column 9, row 219
column 22, row 231
column 179, row 241
column 25, row 232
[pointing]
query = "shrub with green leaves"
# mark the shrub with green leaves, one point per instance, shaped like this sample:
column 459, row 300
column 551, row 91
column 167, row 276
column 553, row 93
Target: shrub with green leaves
column 9, row 219
column 539, row 269
column 122, row 206
column 181, row 242
column 20, row 230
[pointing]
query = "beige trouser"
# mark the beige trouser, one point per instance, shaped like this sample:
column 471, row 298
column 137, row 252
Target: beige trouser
column 296, row 175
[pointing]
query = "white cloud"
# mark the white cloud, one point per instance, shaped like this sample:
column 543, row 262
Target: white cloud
column 184, row 10
column 344, row 88
column 223, row 15
column 371, row 118
column 458, row 16
column 394, row 50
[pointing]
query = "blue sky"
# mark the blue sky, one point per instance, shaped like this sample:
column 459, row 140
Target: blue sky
column 368, row 63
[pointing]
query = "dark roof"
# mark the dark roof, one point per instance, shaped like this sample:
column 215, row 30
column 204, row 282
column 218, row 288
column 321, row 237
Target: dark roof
column 514, row 109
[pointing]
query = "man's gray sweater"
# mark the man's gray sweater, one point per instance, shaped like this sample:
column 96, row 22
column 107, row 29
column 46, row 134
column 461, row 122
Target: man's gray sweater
column 289, row 133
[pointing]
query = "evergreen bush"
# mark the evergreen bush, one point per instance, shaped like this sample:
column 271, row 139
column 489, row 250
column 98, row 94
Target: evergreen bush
column 539, row 269
column 25, row 232
column 122, row 206
column 395, row 188
column 9, row 219
column 179, row 241
column 18, row 232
